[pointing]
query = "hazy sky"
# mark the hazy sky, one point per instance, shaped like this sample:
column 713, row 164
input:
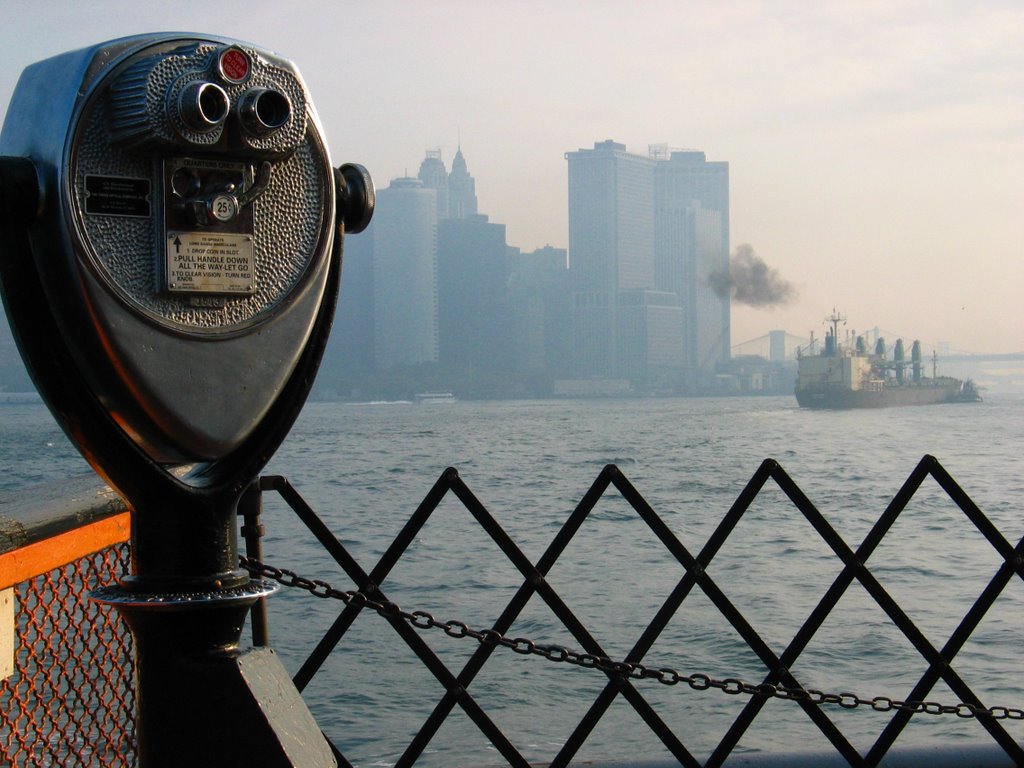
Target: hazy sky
column 876, row 149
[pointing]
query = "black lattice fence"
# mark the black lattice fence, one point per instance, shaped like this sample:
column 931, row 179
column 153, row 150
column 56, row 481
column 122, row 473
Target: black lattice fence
column 629, row 677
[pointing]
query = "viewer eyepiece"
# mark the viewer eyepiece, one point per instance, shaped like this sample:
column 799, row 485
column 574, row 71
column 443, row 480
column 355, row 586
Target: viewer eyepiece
column 203, row 106
column 263, row 110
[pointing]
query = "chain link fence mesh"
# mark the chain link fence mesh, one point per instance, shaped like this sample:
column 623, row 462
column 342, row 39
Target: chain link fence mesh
column 71, row 699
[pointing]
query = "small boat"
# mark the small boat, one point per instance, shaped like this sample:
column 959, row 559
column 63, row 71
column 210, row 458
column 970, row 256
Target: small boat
column 435, row 397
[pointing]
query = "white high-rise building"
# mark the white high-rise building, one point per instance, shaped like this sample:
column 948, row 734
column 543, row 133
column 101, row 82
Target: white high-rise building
column 405, row 274
column 456, row 191
column 611, row 247
column 461, row 189
column 645, row 234
column 434, row 176
column 691, row 208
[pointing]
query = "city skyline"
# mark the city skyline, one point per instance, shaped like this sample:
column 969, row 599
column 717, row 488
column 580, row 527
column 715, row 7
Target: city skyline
column 876, row 150
column 639, row 304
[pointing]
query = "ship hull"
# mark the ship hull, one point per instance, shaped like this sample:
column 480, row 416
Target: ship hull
column 841, row 398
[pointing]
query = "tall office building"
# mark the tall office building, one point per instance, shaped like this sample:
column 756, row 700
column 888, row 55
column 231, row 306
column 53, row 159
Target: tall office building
column 456, row 191
column 474, row 320
column 405, row 274
column 541, row 299
column 349, row 352
column 691, row 210
column 650, row 338
column 611, row 247
column 434, row 176
column 461, row 189
column 645, row 233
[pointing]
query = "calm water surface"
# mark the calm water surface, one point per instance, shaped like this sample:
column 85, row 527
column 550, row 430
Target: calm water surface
column 366, row 467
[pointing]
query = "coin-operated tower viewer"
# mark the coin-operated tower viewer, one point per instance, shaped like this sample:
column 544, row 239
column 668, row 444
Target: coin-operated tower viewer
column 170, row 253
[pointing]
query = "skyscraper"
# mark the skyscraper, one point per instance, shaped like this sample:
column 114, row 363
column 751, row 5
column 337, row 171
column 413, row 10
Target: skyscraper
column 474, row 321
column 461, row 189
column 405, row 274
column 611, row 246
column 645, row 234
column 434, row 176
column 350, row 348
column 541, row 299
column 456, row 191
column 691, row 210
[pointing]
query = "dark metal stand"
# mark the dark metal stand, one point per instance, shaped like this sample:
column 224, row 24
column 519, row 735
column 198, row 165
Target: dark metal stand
column 201, row 700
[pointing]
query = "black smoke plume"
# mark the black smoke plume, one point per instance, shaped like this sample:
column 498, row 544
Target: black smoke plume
column 750, row 281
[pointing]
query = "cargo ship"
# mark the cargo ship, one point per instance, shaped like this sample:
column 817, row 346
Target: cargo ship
column 843, row 377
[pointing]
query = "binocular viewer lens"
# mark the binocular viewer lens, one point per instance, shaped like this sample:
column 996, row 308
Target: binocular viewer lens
column 203, row 106
column 262, row 110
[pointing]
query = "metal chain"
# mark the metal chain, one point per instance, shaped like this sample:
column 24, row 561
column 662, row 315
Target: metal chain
column 633, row 670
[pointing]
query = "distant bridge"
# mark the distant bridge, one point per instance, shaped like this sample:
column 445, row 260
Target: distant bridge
column 761, row 346
column 997, row 357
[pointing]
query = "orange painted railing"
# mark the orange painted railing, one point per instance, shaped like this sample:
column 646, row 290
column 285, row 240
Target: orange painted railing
column 67, row 694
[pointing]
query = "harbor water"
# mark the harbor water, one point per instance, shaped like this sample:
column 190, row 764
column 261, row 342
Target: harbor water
column 365, row 468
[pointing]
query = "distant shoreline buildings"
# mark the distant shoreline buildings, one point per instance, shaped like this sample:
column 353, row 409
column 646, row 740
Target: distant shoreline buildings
column 433, row 296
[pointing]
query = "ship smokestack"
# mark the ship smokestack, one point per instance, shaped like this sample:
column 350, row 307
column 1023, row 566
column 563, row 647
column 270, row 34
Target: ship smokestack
column 830, row 344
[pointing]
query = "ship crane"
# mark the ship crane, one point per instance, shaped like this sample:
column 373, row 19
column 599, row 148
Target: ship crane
column 835, row 319
column 832, row 342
